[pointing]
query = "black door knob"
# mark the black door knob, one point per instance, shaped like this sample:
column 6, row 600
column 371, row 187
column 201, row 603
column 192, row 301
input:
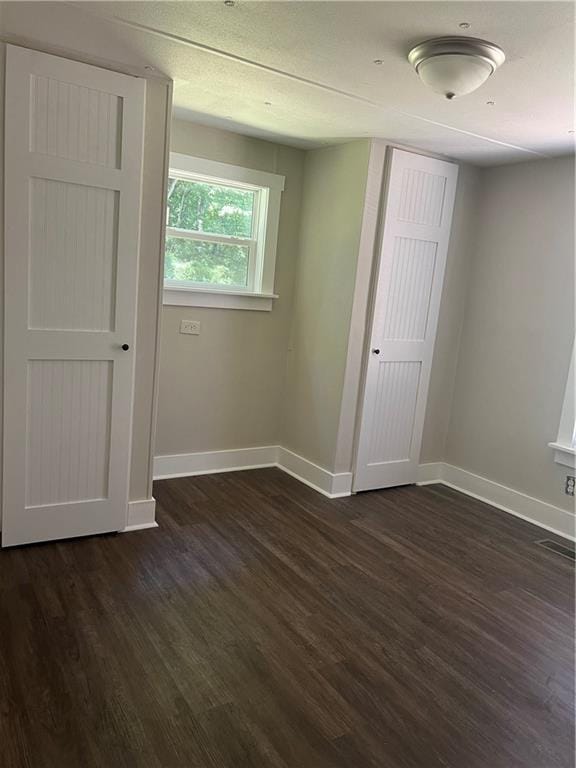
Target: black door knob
column 125, row 347
column 376, row 351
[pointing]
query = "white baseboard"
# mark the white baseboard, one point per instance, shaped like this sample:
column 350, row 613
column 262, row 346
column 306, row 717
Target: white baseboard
column 204, row 463
column 208, row 462
column 431, row 473
column 141, row 514
column 334, row 486
column 535, row 511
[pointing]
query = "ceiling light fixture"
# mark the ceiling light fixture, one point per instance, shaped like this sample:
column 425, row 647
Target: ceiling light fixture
column 455, row 66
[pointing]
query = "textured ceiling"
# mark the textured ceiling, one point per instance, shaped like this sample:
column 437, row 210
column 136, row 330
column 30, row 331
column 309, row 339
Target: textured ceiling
column 303, row 72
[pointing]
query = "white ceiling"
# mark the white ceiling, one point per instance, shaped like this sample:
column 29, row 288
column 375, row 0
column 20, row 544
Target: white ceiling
column 313, row 61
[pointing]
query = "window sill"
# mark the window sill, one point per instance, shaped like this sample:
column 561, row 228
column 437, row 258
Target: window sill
column 199, row 297
column 564, row 454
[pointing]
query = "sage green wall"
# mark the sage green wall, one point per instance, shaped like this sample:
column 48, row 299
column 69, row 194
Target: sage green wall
column 332, row 208
column 223, row 389
column 518, row 330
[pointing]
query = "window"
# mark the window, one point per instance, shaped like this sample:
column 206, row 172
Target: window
column 211, row 237
column 221, row 232
column 565, row 445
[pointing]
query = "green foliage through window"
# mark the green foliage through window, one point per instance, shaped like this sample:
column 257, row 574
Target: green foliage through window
column 217, row 210
column 204, row 262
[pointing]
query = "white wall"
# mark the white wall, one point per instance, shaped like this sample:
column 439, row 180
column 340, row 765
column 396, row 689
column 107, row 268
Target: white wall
column 158, row 108
column 332, row 210
column 506, row 321
column 362, row 293
column 290, row 377
column 2, row 81
column 518, row 330
column 461, row 251
column 223, row 389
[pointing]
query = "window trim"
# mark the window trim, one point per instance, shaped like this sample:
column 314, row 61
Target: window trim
column 565, row 445
column 260, row 291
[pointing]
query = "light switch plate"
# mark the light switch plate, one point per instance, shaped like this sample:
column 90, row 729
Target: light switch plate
column 190, row 326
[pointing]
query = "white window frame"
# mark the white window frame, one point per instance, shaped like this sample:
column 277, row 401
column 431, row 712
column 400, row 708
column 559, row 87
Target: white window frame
column 565, row 444
column 259, row 295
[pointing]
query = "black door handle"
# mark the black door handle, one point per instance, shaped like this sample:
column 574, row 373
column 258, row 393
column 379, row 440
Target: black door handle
column 125, row 347
column 376, row 351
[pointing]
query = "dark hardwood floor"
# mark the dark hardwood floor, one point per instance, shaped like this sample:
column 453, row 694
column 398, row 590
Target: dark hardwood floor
column 263, row 625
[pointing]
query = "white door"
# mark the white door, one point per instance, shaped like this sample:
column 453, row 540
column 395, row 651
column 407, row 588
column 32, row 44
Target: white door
column 73, row 149
column 416, row 228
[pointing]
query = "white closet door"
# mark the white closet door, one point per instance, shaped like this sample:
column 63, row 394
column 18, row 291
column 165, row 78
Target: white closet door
column 416, row 228
column 73, row 148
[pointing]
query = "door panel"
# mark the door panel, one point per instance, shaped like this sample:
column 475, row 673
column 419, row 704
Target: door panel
column 407, row 300
column 73, row 174
column 73, row 253
column 394, row 402
column 68, row 400
column 422, row 196
column 416, row 228
column 75, row 122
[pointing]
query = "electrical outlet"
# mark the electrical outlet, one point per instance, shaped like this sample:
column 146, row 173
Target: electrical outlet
column 190, row 326
column 569, row 487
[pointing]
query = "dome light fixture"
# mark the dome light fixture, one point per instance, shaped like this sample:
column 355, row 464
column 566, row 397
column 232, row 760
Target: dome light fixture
column 455, row 66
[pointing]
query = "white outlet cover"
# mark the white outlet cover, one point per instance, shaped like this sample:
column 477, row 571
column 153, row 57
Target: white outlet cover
column 190, row 326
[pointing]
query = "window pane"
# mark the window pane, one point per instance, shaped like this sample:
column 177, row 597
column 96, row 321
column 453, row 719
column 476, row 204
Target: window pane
column 212, row 208
column 204, row 262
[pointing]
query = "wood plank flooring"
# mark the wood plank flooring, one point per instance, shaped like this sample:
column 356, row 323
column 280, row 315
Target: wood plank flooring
column 264, row 626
